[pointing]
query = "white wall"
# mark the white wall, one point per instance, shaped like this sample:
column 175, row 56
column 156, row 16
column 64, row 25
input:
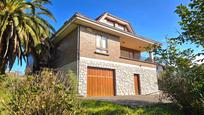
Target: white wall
column 124, row 76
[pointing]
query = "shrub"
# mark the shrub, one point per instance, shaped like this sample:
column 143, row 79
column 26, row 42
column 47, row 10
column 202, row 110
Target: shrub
column 45, row 93
column 2, row 78
column 182, row 80
column 185, row 88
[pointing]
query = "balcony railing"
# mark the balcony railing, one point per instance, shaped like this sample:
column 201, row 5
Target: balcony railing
column 131, row 54
column 143, row 59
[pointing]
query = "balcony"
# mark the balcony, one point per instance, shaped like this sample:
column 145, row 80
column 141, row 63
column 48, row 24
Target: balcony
column 135, row 55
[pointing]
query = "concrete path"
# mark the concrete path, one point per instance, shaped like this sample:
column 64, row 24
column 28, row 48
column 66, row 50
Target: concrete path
column 133, row 101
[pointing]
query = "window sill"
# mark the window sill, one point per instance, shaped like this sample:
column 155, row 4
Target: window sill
column 105, row 54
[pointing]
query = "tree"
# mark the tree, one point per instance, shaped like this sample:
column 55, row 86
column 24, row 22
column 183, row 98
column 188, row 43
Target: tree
column 172, row 56
column 23, row 31
column 182, row 81
column 192, row 22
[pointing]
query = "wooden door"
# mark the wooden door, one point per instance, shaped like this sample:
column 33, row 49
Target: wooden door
column 137, row 84
column 100, row 82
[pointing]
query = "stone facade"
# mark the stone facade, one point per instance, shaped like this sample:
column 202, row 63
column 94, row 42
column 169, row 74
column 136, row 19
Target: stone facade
column 124, row 76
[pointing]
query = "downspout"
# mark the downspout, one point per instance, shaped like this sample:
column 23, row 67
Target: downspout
column 78, row 55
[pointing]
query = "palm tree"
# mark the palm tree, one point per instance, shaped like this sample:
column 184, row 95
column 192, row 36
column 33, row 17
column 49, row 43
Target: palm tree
column 23, row 31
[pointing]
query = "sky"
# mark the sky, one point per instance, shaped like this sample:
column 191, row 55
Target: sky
column 154, row 19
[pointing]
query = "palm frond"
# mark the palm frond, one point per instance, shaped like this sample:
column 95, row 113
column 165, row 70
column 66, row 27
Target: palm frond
column 23, row 30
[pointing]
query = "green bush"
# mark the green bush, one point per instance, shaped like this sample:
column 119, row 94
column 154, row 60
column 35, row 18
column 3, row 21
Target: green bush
column 185, row 88
column 2, row 78
column 45, row 93
column 5, row 86
column 182, row 81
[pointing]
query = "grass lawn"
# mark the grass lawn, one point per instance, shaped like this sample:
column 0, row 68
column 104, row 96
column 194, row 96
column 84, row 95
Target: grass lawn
column 107, row 108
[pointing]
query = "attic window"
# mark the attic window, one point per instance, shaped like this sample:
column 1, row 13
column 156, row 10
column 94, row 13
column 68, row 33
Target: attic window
column 120, row 27
column 111, row 23
column 115, row 24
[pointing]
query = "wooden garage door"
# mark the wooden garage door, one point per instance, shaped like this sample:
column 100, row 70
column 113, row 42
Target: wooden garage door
column 137, row 84
column 100, row 82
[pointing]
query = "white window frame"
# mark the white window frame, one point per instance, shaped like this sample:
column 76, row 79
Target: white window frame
column 100, row 48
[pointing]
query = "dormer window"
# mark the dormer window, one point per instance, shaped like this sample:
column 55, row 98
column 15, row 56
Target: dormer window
column 121, row 27
column 111, row 23
column 116, row 22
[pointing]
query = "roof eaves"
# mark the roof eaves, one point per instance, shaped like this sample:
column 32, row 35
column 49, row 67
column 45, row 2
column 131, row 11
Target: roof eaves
column 147, row 39
column 98, row 18
column 68, row 21
column 77, row 14
column 117, row 18
column 123, row 20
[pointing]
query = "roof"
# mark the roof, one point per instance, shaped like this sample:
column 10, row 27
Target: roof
column 78, row 15
column 106, row 15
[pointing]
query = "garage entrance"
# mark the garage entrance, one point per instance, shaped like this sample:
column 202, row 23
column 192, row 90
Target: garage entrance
column 100, row 82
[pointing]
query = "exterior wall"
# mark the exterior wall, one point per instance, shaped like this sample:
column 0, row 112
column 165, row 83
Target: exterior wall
column 88, row 47
column 124, row 76
column 65, row 55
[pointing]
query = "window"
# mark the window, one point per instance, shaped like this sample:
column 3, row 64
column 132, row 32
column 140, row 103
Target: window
column 126, row 29
column 116, row 24
column 120, row 27
column 101, row 44
column 129, row 53
column 111, row 23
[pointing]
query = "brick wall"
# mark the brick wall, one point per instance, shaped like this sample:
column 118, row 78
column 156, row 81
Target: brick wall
column 65, row 53
column 88, row 47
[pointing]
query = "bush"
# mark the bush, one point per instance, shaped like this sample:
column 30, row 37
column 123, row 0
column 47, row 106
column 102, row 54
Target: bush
column 2, row 78
column 45, row 93
column 185, row 87
column 182, row 80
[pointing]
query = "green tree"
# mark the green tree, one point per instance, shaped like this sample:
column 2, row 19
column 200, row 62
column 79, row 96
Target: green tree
column 23, row 31
column 192, row 22
column 182, row 81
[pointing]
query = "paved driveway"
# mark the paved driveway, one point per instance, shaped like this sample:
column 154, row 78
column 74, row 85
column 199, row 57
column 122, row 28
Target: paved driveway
column 132, row 101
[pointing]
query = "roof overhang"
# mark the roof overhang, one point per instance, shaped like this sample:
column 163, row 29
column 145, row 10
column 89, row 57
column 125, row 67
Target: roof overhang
column 78, row 19
column 115, row 19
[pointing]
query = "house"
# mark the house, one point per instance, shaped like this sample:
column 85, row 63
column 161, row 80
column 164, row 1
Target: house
column 105, row 54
